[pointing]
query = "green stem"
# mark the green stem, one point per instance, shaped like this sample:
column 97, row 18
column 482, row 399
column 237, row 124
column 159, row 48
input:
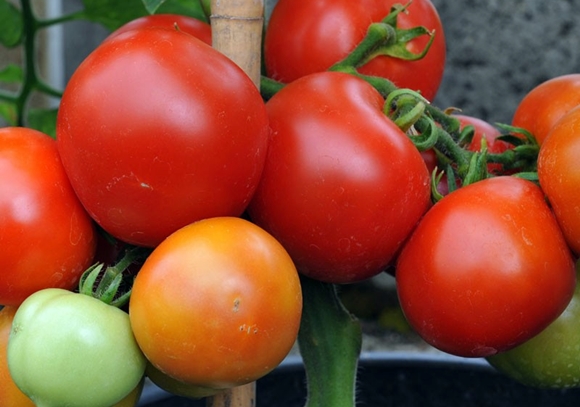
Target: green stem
column 330, row 343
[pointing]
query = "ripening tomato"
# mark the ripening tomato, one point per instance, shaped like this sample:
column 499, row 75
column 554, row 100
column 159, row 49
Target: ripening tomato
column 486, row 269
column 343, row 186
column 217, row 304
column 10, row 394
column 156, row 129
column 305, row 36
column 197, row 28
column 559, row 174
column 48, row 239
column 70, row 349
column 545, row 104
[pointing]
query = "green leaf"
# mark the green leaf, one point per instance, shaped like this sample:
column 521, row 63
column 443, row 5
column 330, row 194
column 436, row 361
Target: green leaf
column 43, row 120
column 113, row 13
column 11, row 23
column 8, row 113
column 192, row 8
column 152, row 5
column 11, row 74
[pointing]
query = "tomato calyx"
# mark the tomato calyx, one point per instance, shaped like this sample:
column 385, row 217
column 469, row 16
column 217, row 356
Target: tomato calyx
column 431, row 128
column 385, row 38
column 112, row 284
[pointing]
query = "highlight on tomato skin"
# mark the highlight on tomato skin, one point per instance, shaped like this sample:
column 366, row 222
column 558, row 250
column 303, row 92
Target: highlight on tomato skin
column 470, row 276
column 342, row 186
column 48, row 238
column 146, row 160
column 216, row 305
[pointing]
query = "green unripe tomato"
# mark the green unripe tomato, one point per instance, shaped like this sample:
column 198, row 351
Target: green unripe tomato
column 68, row 349
column 550, row 359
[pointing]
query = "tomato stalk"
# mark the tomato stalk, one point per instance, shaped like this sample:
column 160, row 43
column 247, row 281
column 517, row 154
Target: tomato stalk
column 384, row 38
column 330, row 342
column 105, row 283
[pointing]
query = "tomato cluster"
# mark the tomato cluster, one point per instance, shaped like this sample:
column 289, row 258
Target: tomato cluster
column 165, row 147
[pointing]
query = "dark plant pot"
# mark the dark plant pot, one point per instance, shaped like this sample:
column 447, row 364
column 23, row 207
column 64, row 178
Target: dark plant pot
column 399, row 379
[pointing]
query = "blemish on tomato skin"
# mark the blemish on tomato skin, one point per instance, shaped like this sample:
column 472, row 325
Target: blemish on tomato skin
column 236, row 305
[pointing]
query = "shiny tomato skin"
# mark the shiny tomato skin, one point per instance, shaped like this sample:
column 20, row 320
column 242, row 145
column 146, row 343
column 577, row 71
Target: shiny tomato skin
column 10, row 394
column 193, row 26
column 48, row 239
column 304, row 37
column 217, row 304
column 545, row 104
column 156, row 129
column 486, row 268
column 559, row 174
column 343, row 186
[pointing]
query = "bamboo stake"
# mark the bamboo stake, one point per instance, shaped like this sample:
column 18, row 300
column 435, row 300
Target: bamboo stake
column 237, row 32
column 236, row 27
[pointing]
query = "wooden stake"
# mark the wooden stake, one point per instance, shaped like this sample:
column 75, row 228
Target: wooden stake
column 242, row 396
column 236, row 27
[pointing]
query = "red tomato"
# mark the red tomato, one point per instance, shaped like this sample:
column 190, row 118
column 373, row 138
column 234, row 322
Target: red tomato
column 305, row 36
column 343, row 186
column 559, row 174
column 190, row 25
column 156, row 130
column 486, row 268
column 217, row 304
column 10, row 394
column 47, row 237
column 545, row 104
column 483, row 129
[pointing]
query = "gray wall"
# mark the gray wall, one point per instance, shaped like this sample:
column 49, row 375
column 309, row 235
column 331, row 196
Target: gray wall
column 497, row 50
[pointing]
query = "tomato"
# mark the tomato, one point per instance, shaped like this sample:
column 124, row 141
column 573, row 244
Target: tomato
column 217, row 304
column 551, row 358
column 193, row 26
column 559, row 174
column 304, row 37
column 69, row 349
column 486, row 269
column 343, row 186
column 544, row 105
column 156, row 129
column 47, row 237
column 10, row 394
column 484, row 130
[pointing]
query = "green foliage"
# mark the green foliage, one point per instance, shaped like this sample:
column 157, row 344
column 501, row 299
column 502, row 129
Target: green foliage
column 43, row 120
column 11, row 33
column 11, row 74
column 152, row 5
column 113, row 13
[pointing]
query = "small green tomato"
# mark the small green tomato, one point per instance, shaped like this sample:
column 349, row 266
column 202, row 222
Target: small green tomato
column 69, row 349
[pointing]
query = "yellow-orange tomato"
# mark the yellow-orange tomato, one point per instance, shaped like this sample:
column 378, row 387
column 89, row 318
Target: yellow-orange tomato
column 10, row 394
column 217, row 304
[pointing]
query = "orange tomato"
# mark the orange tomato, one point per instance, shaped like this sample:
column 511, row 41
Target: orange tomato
column 217, row 304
